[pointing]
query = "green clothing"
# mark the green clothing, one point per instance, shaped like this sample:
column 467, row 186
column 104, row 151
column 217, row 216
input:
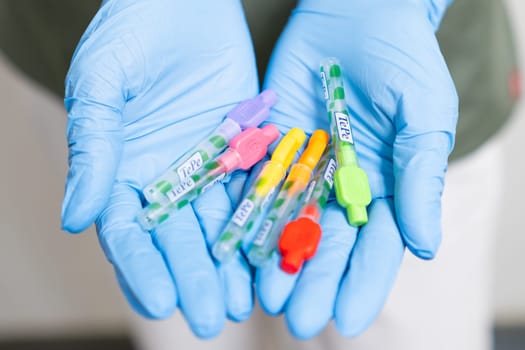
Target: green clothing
column 476, row 41
column 40, row 37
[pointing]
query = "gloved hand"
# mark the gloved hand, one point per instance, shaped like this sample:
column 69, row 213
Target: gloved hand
column 404, row 110
column 148, row 80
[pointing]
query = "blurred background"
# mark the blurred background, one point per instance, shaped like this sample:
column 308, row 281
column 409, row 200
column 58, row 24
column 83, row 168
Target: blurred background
column 57, row 290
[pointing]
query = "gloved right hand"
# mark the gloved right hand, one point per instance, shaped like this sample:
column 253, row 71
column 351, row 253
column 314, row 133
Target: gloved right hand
column 148, row 80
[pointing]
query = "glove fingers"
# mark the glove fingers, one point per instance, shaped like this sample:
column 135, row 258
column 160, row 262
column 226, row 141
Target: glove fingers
column 139, row 265
column 372, row 269
column 236, row 277
column 311, row 305
column 130, row 296
column 273, row 286
column 213, row 210
column 200, row 294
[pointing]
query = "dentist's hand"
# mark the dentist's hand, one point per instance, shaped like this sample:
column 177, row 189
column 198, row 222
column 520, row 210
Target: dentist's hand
column 404, row 110
column 148, row 80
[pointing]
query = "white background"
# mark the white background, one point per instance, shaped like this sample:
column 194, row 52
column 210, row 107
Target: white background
column 54, row 283
column 509, row 279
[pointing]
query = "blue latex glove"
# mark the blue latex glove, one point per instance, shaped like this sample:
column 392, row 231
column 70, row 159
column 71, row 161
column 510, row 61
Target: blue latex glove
column 148, row 80
column 404, row 110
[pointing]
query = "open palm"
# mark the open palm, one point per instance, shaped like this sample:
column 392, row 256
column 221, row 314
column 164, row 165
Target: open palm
column 403, row 108
column 146, row 83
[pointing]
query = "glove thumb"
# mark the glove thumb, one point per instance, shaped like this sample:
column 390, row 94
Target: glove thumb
column 425, row 125
column 96, row 92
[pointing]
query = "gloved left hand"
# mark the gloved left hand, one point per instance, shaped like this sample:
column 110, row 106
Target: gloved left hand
column 148, row 80
column 404, row 109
